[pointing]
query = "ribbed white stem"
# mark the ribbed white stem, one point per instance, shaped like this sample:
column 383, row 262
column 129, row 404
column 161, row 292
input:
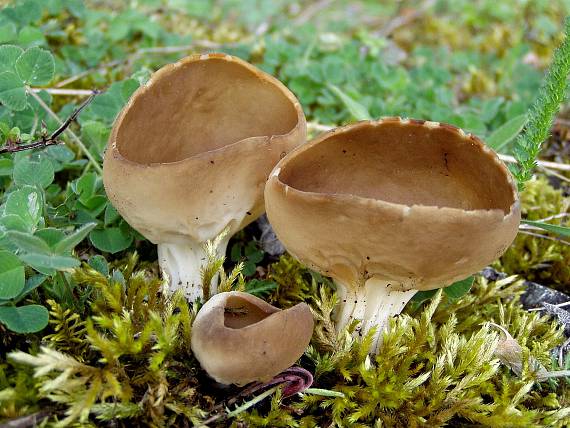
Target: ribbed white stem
column 182, row 265
column 372, row 305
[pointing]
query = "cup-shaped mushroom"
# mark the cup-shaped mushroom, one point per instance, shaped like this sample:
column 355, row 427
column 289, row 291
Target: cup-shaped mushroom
column 239, row 338
column 189, row 155
column 390, row 207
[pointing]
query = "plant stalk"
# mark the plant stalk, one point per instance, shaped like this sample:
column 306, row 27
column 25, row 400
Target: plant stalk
column 74, row 137
column 372, row 305
column 182, row 265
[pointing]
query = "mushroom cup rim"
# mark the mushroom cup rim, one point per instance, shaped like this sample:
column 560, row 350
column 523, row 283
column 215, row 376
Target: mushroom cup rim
column 380, row 203
column 241, row 294
column 170, row 68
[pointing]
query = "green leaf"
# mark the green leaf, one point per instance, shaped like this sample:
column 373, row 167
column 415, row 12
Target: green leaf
column 260, row 288
column 26, row 118
column 8, row 56
column 31, row 36
column 36, row 66
column 34, row 173
column 12, row 275
column 111, row 214
column 43, row 261
column 85, row 186
column 25, row 203
column 235, row 252
column 4, row 129
column 357, row 110
column 32, row 283
column 459, row 288
column 6, row 166
column 8, row 32
column 96, row 134
column 557, row 230
column 13, row 222
column 253, row 253
column 12, row 91
column 29, row 243
column 70, row 241
column 24, row 319
column 106, row 106
column 24, row 12
column 99, row 263
column 506, row 133
column 422, row 296
column 111, row 240
column 248, row 268
column 51, row 236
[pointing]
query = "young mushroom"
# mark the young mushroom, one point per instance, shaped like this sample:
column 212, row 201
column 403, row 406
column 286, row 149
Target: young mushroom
column 189, row 155
column 390, row 207
column 239, row 338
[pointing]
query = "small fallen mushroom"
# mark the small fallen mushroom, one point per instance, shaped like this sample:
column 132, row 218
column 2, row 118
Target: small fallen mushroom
column 190, row 153
column 239, row 338
column 391, row 207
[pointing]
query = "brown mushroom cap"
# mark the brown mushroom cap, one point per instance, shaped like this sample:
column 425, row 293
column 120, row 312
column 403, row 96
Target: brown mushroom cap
column 239, row 338
column 190, row 152
column 418, row 203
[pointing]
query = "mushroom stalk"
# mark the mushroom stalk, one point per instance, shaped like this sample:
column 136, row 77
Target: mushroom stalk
column 182, row 265
column 372, row 304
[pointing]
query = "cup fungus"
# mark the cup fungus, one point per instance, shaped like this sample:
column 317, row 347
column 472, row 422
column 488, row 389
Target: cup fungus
column 239, row 338
column 190, row 153
column 391, row 207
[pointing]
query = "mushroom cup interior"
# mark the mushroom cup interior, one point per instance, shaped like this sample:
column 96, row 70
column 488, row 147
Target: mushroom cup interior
column 201, row 105
column 239, row 313
column 409, row 164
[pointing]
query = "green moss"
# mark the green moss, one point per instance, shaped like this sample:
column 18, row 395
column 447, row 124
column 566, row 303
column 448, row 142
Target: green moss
column 436, row 366
column 538, row 259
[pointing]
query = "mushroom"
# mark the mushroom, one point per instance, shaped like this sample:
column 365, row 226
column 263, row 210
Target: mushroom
column 189, row 155
column 390, row 207
column 239, row 338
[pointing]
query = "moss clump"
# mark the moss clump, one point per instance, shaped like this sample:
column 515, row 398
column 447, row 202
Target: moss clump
column 129, row 359
column 542, row 260
column 436, row 367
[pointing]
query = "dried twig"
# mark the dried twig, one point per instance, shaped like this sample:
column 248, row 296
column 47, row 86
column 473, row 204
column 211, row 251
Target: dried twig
column 293, row 380
column 405, row 19
column 313, row 9
column 555, row 216
column 546, row 164
column 559, row 305
column 74, row 137
column 26, row 421
column 89, row 71
column 67, row 92
column 51, row 140
column 207, row 44
column 538, row 235
column 548, row 171
column 74, row 115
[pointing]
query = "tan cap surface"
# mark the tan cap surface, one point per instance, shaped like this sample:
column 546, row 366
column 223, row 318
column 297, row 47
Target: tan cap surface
column 239, row 338
column 419, row 203
column 190, row 152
